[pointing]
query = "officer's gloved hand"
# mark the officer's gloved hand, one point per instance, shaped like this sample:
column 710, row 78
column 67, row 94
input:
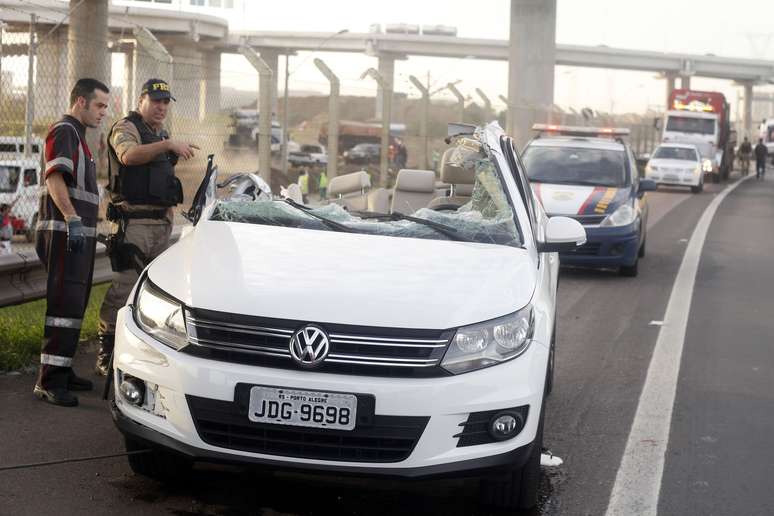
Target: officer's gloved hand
column 76, row 235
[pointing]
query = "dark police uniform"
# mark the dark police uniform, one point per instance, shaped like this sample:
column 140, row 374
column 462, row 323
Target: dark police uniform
column 141, row 196
column 69, row 274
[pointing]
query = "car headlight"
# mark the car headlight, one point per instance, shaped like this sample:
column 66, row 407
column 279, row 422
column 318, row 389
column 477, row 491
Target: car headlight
column 160, row 316
column 488, row 343
column 650, row 168
column 623, row 216
column 706, row 165
column 697, row 170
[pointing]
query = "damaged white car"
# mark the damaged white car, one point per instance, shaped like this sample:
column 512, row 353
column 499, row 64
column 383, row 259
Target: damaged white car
column 411, row 337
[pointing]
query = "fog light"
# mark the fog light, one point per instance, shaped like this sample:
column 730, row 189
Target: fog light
column 133, row 390
column 505, row 425
column 617, row 249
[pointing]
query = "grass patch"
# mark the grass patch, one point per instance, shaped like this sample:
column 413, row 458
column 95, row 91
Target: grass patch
column 21, row 329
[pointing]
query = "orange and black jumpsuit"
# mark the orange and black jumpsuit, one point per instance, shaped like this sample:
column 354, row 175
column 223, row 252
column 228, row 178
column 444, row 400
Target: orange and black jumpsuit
column 69, row 274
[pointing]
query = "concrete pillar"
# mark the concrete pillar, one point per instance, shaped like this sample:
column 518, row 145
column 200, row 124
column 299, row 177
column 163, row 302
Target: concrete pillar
column 185, row 83
column 271, row 58
column 129, row 97
column 387, row 71
column 532, row 58
column 51, row 88
column 210, row 91
column 685, row 82
column 747, row 114
column 87, row 40
column 670, row 87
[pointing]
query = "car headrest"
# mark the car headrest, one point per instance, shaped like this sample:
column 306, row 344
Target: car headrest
column 464, row 190
column 349, row 183
column 458, row 165
column 409, row 180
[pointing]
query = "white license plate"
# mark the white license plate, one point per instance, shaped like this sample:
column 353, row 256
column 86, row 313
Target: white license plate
column 302, row 408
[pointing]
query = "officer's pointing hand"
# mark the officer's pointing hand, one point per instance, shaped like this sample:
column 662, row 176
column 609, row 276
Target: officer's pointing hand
column 183, row 150
column 76, row 236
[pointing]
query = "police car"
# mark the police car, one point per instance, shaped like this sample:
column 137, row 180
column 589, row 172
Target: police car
column 590, row 174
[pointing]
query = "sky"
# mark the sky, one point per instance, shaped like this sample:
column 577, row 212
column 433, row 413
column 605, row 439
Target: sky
column 738, row 29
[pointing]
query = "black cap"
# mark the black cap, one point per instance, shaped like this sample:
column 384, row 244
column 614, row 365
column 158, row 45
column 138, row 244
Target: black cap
column 156, row 89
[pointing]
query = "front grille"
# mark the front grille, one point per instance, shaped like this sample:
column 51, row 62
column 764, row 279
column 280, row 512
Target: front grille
column 357, row 350
column 590, row 220
column 382, row 439
column 587, row 249
column 476, row 429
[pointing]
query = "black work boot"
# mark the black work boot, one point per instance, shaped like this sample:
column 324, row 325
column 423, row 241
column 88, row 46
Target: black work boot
column 76, row 383
column 106, row 342
column 56, row 396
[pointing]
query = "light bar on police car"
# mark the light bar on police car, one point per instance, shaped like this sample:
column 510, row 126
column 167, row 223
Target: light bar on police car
column 569, row 130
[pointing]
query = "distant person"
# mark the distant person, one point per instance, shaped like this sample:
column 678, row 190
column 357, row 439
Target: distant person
column 303, row 184
column 402, row 155
column 323, row 186
column 761, row 152
column 745, row 153
column 6, row 228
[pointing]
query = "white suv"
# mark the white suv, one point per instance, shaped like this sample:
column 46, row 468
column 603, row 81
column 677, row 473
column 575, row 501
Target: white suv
column 382, row 344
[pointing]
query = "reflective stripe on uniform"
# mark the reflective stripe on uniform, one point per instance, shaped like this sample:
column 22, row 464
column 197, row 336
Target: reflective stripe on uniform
column 56, row 360
column 60, row 225
column 66, row 162
column 63, row 322
column 83, row 195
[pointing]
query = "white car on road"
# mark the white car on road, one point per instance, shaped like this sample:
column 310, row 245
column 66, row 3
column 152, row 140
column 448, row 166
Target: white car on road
column 401, row 344
column 676, row 164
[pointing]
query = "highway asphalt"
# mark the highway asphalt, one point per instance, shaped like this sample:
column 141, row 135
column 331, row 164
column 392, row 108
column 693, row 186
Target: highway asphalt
column 719, row 454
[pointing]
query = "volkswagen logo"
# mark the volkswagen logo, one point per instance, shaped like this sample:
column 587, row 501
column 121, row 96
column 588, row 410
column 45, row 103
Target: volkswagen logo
column 309, row 346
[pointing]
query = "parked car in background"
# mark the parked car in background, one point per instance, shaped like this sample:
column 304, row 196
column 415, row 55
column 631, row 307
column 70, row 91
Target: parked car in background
column 308, row 154
column 19, row 183
column 363, row 154
column 676, row 164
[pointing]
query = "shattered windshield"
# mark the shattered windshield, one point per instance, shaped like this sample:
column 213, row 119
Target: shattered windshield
column 479, row 213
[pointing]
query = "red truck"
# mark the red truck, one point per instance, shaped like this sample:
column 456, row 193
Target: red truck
column 702, row 118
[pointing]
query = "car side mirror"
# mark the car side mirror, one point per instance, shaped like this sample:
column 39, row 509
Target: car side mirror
column 562, row 234
column 647, row 185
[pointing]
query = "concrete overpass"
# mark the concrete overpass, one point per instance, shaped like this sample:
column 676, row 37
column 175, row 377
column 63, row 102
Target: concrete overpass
column 196, row 41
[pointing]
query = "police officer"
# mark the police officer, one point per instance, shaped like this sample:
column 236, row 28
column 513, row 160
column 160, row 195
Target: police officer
column 143, row 190
column 65, row 239
column 761, row 153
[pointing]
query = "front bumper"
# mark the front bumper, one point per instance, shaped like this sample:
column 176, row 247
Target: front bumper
column 606, row 247
column 446, row 402
column 676, row 179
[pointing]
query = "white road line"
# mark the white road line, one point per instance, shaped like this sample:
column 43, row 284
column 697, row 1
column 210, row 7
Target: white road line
column 638, row 481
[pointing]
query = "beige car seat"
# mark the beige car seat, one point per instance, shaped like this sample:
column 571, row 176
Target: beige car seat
column 414, row 189
column 350, row 190
column 462, row 180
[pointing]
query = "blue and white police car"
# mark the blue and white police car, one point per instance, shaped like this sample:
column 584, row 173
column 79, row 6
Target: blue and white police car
column 590, row 174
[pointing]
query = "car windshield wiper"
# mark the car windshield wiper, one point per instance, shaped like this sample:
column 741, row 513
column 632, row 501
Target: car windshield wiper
column 328, row 222
column 449, row 231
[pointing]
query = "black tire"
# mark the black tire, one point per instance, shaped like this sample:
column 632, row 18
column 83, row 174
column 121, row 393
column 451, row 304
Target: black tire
column 157, row 464
column 551, row 363
column 517, row 489
column 629, row 271
column 697, row 189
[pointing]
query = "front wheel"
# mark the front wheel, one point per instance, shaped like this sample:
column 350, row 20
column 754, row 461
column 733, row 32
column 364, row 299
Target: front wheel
column 697, row 189
column 517, row 489
column 157, row 464
column 629, row 271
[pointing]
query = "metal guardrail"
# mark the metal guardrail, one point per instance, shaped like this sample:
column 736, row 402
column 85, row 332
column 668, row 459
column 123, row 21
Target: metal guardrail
column 23, row 277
